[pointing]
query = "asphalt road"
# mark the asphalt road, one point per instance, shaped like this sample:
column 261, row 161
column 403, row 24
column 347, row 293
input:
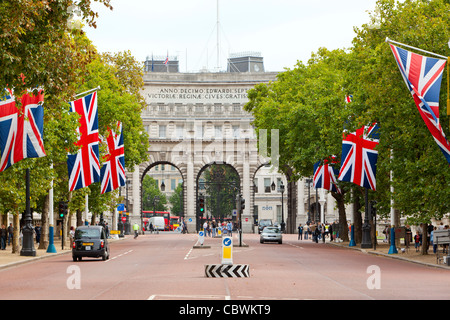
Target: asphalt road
column 165, row 266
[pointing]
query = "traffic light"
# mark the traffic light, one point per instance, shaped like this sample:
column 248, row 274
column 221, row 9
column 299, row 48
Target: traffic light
column 242, row 203
column 201, row 204
column 62, row 209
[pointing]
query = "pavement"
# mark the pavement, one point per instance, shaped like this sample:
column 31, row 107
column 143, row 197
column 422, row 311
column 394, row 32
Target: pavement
column 9, row 259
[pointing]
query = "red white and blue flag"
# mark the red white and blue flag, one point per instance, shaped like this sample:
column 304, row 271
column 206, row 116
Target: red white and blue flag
column 84, row 166
column 348, row 98
column 423, row 77
column 325, row 176
column 359, row 157
column 167, row 59
column 113, row 171
column 21, row 128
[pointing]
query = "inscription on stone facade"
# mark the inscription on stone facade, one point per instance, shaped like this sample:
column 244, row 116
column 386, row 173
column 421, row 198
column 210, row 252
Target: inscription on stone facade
column 197, row 95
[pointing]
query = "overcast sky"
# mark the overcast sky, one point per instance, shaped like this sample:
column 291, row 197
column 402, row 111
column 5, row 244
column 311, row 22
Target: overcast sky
column 283, row 31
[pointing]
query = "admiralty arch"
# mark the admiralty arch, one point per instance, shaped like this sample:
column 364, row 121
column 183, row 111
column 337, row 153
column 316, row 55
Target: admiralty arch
column 197, row 119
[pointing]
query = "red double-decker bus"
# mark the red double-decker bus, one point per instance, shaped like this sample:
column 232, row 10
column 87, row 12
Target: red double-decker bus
column 165, row 214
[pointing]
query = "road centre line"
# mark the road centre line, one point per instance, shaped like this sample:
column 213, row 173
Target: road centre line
column 115, row 257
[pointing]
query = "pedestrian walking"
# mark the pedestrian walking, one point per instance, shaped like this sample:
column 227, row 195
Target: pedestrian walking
column 136, row 230
column 10, row 233
column 300, row 232
column 37, row 230
column 229, row 228
column 417, row 241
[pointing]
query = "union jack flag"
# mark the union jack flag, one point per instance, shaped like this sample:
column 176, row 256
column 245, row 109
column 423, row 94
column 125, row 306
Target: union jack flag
column 359, row 157
column 348, row 98
column 423, row 76
column 84, row 166
column 113, row 171
column 21, row 128
column 325, row 177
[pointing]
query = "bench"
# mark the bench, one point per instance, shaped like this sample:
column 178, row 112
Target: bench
column 441, row 237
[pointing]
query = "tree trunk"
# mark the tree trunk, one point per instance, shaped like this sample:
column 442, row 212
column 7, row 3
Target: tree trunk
column 43, row 243
column 79, row 218
column 425, row 239
column 342, row 216
column 357, row 218
column 16, row 233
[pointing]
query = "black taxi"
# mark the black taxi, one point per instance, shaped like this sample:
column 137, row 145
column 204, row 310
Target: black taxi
column 90, row 241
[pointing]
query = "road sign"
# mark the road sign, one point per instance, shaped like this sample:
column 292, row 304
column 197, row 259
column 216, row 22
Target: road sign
column 234, row 212
column 227, row 250
column 201, row 237
column 121, row 207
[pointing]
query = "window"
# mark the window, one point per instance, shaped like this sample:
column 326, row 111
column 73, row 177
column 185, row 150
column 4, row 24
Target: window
column 199, row 131
column 236, row 132
column 218, row 132
column 180, row 132
column 162, row 132
column 267, row 185
column 173, row 184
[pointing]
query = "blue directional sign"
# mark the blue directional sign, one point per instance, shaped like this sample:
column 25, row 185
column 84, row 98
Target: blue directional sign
column 121, row 207
column 227, row 242
column 201, row 234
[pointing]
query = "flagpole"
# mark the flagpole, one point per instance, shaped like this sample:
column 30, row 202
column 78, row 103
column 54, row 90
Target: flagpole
column 411, row 47
column 89, row 91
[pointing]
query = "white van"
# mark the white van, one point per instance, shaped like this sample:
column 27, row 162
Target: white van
column 157, row 222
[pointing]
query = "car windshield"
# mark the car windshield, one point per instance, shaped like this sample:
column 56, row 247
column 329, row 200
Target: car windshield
column 265, row 222
column 87, row 233
column 271, row 230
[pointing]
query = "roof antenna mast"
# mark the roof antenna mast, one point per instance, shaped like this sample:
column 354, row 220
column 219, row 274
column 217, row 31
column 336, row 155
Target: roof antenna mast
column 218, row 43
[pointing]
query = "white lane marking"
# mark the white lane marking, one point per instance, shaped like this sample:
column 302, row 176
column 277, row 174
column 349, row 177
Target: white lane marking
column 120, row 255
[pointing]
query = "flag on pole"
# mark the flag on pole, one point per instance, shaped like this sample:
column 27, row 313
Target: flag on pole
column 167, row 59
column 21, row 128
column 348, row 98
column 84, row 166
column 423, row 77
column 359, row 157
column 325, row 176
column 113, row 171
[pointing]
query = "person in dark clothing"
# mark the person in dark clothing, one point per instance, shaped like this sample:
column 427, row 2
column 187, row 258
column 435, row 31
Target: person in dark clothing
column 3, row 235
column 300, row 232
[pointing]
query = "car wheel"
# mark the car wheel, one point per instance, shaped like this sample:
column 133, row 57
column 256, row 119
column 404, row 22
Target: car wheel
column 261, row 241
column 280, row 242
column 74, row 258
column 105, row 255
column 80, row 258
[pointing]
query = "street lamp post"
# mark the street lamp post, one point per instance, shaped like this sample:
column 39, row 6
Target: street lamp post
column 127, row 221
column 366, row 240
column 28, row 245
column 308, row 183
column 282, row 207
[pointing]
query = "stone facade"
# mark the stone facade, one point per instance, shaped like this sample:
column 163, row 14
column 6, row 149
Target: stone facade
column 197, row 119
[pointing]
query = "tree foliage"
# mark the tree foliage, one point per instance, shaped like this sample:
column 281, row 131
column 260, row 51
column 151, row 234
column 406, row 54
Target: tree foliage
column 307, row 105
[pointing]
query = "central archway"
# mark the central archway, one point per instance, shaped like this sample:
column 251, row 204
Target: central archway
column 167, row 177
column 218, row 183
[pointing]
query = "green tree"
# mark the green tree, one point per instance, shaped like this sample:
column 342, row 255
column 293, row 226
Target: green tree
column 421, row 178
column 150, row 191
column 306, row 104
column 176, row 200
column 220, row 186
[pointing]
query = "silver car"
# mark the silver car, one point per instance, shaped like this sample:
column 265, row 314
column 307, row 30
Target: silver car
column 271, row 234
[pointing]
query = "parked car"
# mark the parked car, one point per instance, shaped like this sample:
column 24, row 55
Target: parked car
column 90, row 241
column 264, row 223
column 272, row 234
